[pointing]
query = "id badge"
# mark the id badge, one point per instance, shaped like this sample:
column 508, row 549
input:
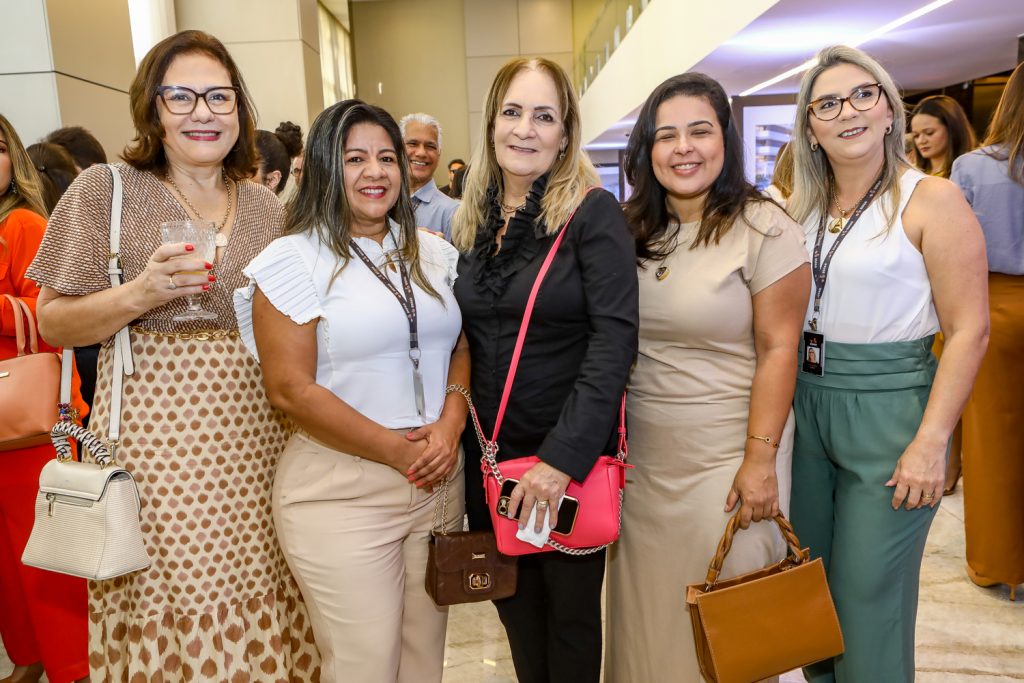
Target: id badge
column 814, row 353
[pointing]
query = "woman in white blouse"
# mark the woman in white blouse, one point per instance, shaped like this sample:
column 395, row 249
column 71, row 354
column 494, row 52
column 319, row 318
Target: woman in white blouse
column 353, row 318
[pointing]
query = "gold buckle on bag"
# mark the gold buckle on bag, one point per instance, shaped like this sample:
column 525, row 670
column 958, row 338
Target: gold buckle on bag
column 479, row 581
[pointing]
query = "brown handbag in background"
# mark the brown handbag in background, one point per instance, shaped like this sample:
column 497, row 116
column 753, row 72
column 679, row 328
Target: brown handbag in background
column 29, row 386
column 764, row 623
column 465, row 566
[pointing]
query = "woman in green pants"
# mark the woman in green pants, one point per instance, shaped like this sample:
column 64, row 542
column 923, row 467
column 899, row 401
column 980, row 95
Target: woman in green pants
column 896, row 257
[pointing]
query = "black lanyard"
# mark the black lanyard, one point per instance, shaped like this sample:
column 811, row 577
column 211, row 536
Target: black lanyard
column 408, row 303
column 819, row 268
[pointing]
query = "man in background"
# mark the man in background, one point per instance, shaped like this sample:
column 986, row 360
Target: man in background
column 453, row 166
column 422, row 136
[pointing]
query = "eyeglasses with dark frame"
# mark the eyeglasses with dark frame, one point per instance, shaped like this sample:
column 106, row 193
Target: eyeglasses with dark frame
column 181, row 100
column 862, row 98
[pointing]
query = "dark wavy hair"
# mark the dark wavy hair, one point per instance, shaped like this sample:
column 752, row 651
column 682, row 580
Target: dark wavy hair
column 56, row 168
column 82, row 145
column 146, row 151
column 321, row 206
column 960, row 136
column 290, row 135
column 273, row 157
column 647, row 210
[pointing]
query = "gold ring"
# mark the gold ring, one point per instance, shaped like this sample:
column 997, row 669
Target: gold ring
column 170, row 282
column 542, row 503
column 927, row 496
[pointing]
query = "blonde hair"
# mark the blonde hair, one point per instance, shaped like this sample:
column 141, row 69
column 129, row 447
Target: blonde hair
column 570, row 175
column 29, row 192
column 813, row 181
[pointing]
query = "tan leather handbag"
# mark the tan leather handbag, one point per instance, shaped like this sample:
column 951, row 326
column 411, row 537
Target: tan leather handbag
column 29, row 386
column 764, row 623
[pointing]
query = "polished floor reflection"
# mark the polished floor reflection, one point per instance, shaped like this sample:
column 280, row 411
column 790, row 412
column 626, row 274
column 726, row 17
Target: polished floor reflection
column 965, row 634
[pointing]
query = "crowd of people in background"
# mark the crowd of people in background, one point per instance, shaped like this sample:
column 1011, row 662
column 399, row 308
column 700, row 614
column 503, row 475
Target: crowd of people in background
column 807, row 351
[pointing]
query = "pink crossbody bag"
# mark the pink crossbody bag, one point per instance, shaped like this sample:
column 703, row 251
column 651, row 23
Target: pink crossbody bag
column 599, row 495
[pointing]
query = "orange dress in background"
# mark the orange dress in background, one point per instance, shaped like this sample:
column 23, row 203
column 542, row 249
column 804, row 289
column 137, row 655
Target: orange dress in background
column 42, row 614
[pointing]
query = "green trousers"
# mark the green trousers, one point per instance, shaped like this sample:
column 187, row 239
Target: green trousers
column 851, row 427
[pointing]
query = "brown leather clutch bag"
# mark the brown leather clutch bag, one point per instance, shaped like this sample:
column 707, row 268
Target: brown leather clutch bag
column 764, row 623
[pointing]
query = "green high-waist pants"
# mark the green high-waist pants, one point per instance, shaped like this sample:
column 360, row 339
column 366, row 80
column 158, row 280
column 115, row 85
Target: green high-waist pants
column 851, row 427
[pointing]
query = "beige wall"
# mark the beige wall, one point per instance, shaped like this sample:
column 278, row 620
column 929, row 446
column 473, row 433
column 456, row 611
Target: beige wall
column 449, row 52
column 414, row 51
column 67, row 62
column 276, row 45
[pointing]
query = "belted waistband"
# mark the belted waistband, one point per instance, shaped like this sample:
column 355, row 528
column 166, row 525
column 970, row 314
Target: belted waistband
column 886, row 366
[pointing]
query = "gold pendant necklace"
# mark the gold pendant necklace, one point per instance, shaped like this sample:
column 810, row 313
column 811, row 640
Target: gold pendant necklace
column 837, row 225
column 221, row 240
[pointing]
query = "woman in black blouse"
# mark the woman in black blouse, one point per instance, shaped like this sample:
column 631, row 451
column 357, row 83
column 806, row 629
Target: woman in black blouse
column 525, row 179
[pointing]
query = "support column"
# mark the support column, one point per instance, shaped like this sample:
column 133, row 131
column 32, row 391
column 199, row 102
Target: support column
column 67, row 63
column 277, row 48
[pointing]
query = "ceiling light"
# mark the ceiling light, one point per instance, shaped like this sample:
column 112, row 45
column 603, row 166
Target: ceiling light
column 877, row 33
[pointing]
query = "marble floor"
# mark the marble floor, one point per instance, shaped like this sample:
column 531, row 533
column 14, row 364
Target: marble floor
column 965, row 634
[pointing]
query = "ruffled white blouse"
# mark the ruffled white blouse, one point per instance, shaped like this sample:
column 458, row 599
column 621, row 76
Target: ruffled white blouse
column 362, row 331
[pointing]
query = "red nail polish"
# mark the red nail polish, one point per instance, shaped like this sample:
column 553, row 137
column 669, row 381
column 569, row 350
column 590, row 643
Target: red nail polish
column 189, row 247
column 213, row 278
column 209, row 266
column 206, row 288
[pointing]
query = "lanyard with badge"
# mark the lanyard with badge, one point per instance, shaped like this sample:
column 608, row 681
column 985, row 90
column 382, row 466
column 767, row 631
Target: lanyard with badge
column 814, row 340
column 408, row 303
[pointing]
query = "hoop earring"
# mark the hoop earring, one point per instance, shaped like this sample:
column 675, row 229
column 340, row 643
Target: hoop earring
column 814, row 146
column 888, row 129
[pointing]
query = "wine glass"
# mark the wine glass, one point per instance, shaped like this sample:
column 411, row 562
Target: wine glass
column 203, row 236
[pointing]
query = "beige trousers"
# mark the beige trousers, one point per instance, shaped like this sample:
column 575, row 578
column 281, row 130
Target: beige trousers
column 355, row 533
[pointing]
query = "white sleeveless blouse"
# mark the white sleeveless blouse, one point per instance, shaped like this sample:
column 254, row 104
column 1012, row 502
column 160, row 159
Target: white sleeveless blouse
column 877, row 289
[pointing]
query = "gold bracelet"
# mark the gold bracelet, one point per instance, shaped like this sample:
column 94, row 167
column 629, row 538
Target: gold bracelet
column 766, row 439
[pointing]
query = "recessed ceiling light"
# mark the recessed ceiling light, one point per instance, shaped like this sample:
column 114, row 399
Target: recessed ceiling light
column 877, row 33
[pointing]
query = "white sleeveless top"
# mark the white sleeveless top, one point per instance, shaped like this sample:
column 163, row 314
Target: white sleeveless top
column 362, row 331
column 877, row 288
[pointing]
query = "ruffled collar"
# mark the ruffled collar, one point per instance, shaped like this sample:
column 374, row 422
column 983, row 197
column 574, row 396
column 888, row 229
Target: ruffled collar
column 519, row 245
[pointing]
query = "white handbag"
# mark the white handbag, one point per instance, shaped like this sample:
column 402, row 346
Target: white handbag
column 87, row 513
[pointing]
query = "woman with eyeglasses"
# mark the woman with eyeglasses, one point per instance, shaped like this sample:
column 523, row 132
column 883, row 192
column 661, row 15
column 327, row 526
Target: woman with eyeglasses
column 197, row 431
column 896, row 256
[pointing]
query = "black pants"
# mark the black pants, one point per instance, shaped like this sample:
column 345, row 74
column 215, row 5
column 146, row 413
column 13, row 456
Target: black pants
column 553, row 622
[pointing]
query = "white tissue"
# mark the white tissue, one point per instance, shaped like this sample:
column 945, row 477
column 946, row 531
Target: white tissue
column 534, row 538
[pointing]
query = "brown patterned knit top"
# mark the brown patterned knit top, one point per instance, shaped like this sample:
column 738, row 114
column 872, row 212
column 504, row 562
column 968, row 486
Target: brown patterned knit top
column 73, row 256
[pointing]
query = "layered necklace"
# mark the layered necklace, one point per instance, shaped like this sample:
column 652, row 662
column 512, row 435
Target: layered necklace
column 508, row 210
column 222, row 239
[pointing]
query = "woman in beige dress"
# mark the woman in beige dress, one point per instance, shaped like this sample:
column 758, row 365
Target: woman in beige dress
column 197, row 432
column 723, row 285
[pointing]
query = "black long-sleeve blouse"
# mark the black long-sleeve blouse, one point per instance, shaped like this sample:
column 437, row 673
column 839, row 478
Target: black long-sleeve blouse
column 581, row 342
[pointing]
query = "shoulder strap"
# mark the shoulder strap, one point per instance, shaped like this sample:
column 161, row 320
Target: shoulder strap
column 124, row 363
column 19, row 324
column 527, row 314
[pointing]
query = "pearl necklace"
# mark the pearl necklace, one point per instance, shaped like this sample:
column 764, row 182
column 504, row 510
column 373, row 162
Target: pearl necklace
column 222, row 239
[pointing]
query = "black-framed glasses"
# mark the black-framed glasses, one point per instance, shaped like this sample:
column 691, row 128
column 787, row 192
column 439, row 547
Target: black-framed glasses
column 181, row 100
column 862, row 98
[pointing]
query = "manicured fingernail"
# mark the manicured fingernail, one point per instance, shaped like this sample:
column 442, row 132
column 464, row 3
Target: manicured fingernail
column 209, row 266
column 213, row 278
column 190, row 247
column 206, row 288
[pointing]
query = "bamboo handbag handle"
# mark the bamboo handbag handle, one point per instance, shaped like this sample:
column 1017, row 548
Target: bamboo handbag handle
column 799, row 554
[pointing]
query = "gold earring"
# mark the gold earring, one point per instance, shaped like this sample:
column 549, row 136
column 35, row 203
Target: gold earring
column 814, row 146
